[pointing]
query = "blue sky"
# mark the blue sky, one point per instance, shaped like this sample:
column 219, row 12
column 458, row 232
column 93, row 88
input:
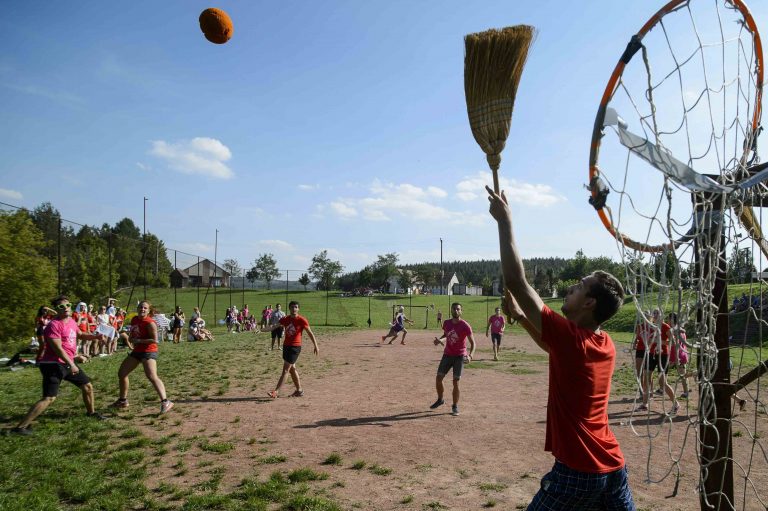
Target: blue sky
column 337, row 125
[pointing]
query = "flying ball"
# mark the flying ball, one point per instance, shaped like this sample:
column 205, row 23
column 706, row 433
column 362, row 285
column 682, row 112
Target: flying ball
column 216, row 25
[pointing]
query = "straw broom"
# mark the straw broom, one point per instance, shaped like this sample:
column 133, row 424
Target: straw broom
column 493, row 64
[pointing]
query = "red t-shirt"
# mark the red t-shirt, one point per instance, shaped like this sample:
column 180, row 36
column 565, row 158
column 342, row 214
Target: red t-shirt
column 664, row 340
column 581, row 365
column 643, row 335
column 497, row 324
column 140, row 330
column 81, row 318
column 65, row 330
column 293, row 328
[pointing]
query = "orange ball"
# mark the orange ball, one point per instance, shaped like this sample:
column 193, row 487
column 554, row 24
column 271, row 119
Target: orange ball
column 216, row 25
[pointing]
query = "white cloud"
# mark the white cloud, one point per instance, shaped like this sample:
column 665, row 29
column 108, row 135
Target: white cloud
column 308, row 187
column 277, row 244
column 201, row 155
column 59, row 96
column 436, row 192
column 10, row 194
column 143, row 166
column 343, row 210
column 531, row 194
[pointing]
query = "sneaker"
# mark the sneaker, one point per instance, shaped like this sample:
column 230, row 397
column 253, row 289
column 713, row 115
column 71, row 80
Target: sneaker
column 120, row 404
column 454, row 410
column 166, row 405
column 657, row 392
column 97, row 416
column 675, row 408
column 22, row 431
column 439, row 402
column 272, row 394
column 642, row 408
column 684, row 395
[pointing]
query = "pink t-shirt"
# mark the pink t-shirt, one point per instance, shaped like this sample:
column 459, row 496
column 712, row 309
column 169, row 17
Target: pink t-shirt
column 64, row 329
column 497, row 324
column 456, row 337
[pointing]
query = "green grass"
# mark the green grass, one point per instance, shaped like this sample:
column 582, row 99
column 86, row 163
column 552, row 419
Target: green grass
column 333, row 459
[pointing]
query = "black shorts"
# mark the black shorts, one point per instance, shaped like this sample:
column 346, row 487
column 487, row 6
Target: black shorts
column 143, row 355
column 39, row 330
column 640, row 354
column 450, row 361
column 496, row 338
column 54, row 373
column 277, row 333
column 291, row 353
column 660, row 362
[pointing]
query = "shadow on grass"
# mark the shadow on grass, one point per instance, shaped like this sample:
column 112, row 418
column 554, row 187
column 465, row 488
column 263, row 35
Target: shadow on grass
column 382, row 421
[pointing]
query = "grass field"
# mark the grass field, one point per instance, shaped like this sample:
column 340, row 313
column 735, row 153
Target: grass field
column 73, row 462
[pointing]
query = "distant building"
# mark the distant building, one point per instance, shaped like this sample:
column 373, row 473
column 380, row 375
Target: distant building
column 464, row 289
column 447, row 289
column 179, row 278
column 204, row 274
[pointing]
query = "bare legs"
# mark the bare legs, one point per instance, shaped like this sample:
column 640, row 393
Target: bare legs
column 150, row 370
column 289, row 368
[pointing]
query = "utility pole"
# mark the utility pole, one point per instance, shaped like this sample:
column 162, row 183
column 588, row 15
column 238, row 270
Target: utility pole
column 144, row 259
column 215, row 267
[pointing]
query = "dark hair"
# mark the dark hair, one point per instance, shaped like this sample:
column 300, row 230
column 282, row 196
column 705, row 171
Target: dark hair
column 454, row 304
column 59, row 299
column 294, row 302
column 609, row 295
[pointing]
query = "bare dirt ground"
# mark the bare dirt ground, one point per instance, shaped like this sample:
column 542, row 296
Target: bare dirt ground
column 370, row 402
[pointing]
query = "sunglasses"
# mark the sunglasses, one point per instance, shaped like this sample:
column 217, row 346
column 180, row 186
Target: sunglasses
column 63, row 306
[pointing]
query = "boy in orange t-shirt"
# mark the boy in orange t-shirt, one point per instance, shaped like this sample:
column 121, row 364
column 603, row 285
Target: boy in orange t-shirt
column 589, row 470
column 294, row 325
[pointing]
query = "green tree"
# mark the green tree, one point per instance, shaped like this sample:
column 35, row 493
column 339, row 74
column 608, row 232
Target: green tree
column 324, row 270
column 740, row 265
column 304, row 280
column 264, row 268
column 487, row 285
column 127, row 251
column 404, row 280
column 232, row 267
column 86, row 272
column 159, row 266
column 47, row 219
column 384, row 267
column 27, row 276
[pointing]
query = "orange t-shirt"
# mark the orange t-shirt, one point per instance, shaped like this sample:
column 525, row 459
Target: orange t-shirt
column 581, row 365
column 293, row 328
column 140, row 330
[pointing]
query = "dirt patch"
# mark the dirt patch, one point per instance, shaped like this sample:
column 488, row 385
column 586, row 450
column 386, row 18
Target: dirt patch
column 370, row 404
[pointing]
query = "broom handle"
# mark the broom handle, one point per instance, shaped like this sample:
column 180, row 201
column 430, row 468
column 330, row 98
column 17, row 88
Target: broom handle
column 494, row 162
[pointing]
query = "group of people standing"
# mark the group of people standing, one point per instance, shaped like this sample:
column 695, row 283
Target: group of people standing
column 58, row 360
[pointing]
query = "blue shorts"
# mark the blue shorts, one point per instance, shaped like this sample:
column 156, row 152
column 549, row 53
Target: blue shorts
column 566, row 489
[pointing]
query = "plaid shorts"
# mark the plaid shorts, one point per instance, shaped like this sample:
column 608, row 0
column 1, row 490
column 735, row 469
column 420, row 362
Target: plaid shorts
column 566, row 489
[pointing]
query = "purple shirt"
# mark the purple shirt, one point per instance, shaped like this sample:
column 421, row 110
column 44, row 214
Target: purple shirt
column 456, row 337
column 64, row 329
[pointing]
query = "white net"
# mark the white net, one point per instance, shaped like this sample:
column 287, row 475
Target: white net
column 673, row 151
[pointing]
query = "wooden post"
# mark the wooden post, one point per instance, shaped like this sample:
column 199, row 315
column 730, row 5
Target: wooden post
column 715, row 448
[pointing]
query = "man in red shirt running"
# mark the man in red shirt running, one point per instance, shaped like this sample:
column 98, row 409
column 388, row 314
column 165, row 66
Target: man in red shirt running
column 294, row 325
column 589, row 470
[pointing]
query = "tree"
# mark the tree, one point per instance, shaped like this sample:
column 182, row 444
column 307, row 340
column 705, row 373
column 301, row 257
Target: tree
column 384, row 267
column 160, row 267
column 324, row 270
column 264, row 268
column 47, row 219
column 27, row 276
column 127, row 251
column 487, row 285
column 304, row 280
column 86, row 272
column 404, row 280
column 232, row 267
column 740, row 265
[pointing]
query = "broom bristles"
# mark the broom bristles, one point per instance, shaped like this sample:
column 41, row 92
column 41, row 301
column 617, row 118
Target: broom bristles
column 493, row 64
